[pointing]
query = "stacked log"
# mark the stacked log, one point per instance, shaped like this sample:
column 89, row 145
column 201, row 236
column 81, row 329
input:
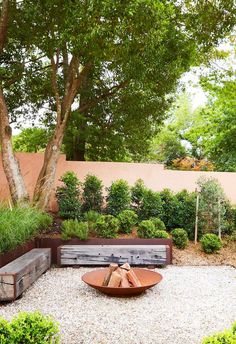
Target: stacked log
column 121, row 277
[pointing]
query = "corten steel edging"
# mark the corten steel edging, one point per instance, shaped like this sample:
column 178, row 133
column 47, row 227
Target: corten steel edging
column 55, row 243
column 9, row 256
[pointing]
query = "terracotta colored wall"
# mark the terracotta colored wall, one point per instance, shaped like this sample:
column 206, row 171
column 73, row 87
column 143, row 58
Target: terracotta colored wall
column 154, row 175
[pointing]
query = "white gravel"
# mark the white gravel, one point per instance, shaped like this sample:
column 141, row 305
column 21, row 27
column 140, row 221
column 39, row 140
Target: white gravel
column 189, row 303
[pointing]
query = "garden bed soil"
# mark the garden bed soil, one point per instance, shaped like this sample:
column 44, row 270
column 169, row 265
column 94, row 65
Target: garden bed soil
column 194, row 256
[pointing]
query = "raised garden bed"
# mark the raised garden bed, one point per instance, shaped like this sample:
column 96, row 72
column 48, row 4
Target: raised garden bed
column 8, row 257
column 54, row 243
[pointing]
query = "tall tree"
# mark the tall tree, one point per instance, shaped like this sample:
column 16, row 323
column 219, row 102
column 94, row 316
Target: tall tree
column 10, row 164
column 140, row 49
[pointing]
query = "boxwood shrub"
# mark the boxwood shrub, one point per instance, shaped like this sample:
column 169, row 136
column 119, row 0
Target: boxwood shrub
column 180, row 237
column 29, row 328
column 225, row 337
column 210, row 243
column 158, row 223
column 147, row 229
column 107, row 226
column 127, row 219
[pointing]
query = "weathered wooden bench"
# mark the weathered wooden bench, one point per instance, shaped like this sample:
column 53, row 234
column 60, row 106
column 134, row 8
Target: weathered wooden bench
column 18, row 275
column 105, row 254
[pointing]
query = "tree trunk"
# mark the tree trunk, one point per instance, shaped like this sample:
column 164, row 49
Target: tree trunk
column 79, row 149
column 46, row 178
column 11, row 166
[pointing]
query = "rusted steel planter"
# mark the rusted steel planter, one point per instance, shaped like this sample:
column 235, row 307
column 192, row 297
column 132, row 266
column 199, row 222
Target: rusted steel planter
column 54, row 244
column 9, row 256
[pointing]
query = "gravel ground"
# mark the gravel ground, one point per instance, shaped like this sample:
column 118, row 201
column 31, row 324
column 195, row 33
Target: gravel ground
column 189, row 303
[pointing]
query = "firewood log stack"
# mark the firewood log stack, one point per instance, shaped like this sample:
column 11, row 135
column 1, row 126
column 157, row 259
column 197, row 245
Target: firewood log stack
column 121, row 277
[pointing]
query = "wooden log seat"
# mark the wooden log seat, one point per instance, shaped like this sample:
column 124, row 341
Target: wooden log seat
column 18, row 275
column 103, row 255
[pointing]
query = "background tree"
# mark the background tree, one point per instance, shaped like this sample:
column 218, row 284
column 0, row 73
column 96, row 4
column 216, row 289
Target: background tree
column 31, row 140
column 128, row 44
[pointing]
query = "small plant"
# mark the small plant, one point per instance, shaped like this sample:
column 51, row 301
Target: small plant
column 158, row 223
column 180, row 237
column 107, row 226
column 5, row 331
column 127, row 219
column 146, row 229
column 91, row 217
column 73, row 228
column 151, row 205
column 226, row 337
column 92, row 194
column 118, row 198
column 68, row 197
column 210, row 243
column 161, row 234
column 29, row 328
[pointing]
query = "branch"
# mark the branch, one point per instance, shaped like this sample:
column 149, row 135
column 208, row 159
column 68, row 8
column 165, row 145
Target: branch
column 111, row 92
column 4, row 23
column 54, row 66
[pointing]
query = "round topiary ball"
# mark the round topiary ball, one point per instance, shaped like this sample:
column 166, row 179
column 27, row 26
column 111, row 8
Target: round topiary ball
column 180, row 237
column 210, row 243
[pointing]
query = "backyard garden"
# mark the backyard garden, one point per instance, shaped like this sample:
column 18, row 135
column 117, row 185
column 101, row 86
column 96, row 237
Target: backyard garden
column 187, row 305
column 117, row 172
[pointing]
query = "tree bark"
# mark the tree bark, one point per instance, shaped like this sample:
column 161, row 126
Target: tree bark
column 44, row 185
column 11, row 166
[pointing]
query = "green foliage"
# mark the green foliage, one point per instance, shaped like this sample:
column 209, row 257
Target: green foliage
column 158, row 223
column 180, row 237
column 161, row 234
column 137, row 195
column 5, row 331
column 73, row 228
column 107, row 226
column 184, row 216
column 31, row 140
column 170, row 206
column 211, row 243
column 19, row 225
column 151, row 205
column 92, row 194
column 225, row 337
column 119, row 197
column 68, row 196
column 210, row 194
column 147, row 229
column 127, row 219
column 166, row 147
column 32, row 328
column 91, row 217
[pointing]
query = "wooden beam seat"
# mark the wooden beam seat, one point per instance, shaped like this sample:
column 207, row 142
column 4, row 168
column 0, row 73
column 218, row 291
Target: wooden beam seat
column 18, row 275
column 103, row 255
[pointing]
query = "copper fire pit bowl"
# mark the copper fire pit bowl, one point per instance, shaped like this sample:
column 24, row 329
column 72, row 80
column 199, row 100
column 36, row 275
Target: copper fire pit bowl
column 147, row 278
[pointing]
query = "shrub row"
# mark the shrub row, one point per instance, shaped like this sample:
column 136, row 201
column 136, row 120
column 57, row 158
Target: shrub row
column 175, row 210
column 29, row 328
column 19, row 225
